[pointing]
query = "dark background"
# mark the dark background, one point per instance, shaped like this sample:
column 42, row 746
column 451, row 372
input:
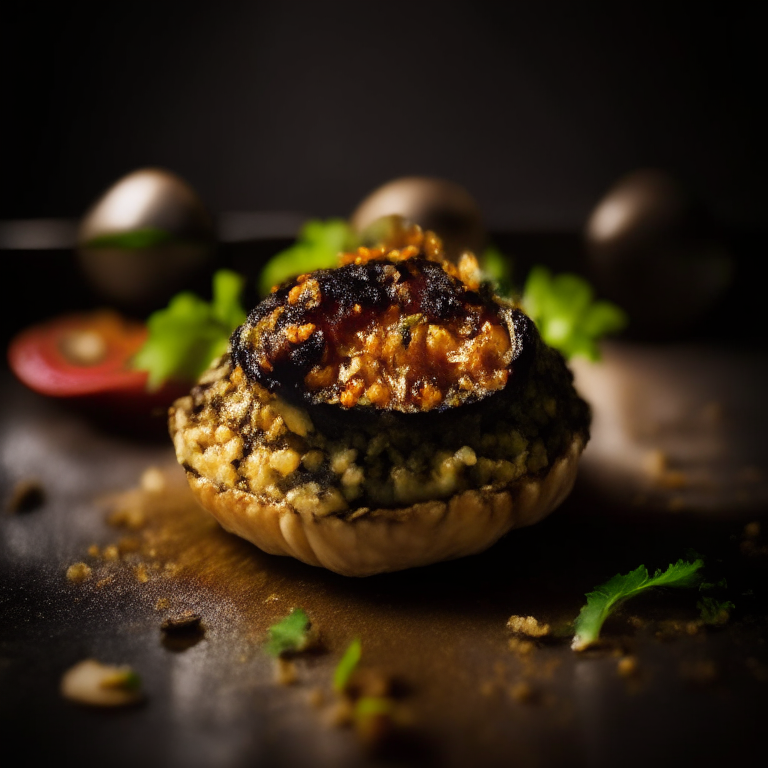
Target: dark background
column 303, row 106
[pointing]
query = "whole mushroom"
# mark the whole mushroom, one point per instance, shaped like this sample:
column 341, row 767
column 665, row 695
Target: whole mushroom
column 148, row 236
column 652, row 248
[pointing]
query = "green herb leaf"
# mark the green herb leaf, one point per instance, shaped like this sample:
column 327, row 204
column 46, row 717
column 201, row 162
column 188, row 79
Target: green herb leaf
column 607, row 597
column 317, row 247
column 289, row 635
column 347, row 665
column 566, row 315
column 189, row 333
column 714, row 611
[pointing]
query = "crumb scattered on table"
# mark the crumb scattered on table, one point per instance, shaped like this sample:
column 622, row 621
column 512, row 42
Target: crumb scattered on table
column 111, row 553
column 527, row 625
column 188, row 621
column 79, row 572
column 141, row 573
column 131, row 516
column 153, row 480
column 102, row 685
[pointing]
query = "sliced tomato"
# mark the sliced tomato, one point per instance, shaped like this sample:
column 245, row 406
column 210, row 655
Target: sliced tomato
column 85, row 358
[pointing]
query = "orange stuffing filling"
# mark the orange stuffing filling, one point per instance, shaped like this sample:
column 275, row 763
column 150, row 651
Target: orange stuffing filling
column 394, row 327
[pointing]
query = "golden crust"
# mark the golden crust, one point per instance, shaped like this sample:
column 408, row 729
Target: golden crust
column 375, row 541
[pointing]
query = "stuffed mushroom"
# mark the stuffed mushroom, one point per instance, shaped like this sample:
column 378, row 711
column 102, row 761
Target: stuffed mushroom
column 389, row 413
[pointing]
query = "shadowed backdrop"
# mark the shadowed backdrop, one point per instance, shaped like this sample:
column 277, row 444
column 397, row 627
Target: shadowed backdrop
column 301, row 106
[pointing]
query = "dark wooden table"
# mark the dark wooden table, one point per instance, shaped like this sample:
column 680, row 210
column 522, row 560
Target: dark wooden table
column 676, row 468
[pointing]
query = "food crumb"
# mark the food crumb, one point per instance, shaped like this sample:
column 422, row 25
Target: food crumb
column 692, row 627
column 141, row 573
column 672, row 628
column 94, row 551
column 522, row 692
column 79, row 572
column 131, row 517
column 527, row 625
column 273, row 598
column 111, row 553
column 106, row 581
column 285, row 671
column 103, row 685
column 27, row 496
column 152, row 480
column 162, row 604
column 187, row 621
column 628, row 666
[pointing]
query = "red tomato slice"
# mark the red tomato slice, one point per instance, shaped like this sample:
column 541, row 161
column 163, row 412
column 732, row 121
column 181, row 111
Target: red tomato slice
column 84, row 359
column 80, row 355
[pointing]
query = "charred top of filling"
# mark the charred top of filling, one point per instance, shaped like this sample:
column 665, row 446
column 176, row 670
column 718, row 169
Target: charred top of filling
column 392, row 329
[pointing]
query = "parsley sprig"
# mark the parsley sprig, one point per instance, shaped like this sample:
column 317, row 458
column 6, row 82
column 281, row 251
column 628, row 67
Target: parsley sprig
column 347, row 665
column 290, row 635
column 714, row 611
column 608, row 596
column 566, row 313
column 190, row 332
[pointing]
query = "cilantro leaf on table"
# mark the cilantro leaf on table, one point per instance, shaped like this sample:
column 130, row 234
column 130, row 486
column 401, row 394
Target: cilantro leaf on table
column 190, row 332
column 714, row 611
column 289, row 635
column 566, row 315
column 347, row 665
column 608, row 596
column 317, row 247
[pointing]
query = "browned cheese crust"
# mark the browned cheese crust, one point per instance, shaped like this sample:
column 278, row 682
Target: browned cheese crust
column 387, row 414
